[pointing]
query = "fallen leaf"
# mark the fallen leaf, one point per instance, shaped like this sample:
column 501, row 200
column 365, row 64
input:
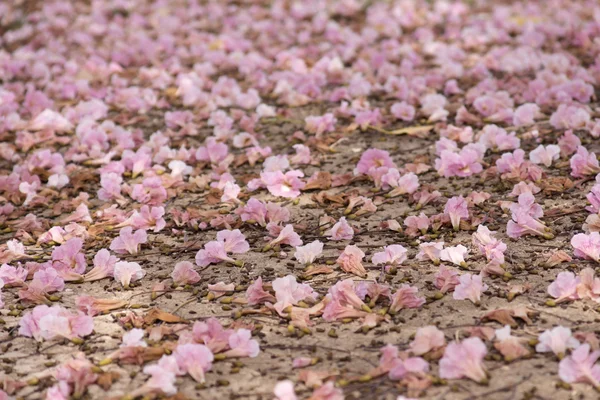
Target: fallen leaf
column 158, row 315
column 319, row 180
column 418, row 131
column 106, row 379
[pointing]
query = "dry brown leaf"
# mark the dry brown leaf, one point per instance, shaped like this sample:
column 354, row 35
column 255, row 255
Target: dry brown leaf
column 106, row 379
column 319, row 180
column 158, row 315
column 418, row 131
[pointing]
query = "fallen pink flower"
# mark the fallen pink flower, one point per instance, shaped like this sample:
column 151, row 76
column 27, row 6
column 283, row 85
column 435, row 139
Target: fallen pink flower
column 288, row 292
column 430, row 251
column 286, row 236
column 128, row 241
column 184, row 274
column 308, row 253
column 93, row 306
column 416, row 225
column 69, row 256
column 557, row 340
column 284, row 390
column 470, row 287
column 255, row 294
column 584, row 163
column 373, row 158
column 104, row 265
column 78, row 373
column 194, row 359
column 48, row 323
column 426, row 339
column 242, row 345
column 127, row 272
column 220, row 289
column 446, row 279
column 464, row 360
column 456, row 209
column 351, row 261
column 455, row 254
column 581, row 367
column 587, row 246
column 545, row 155
column 341, row 230
column 564, row 287
column 405, row 297
column 509, row 346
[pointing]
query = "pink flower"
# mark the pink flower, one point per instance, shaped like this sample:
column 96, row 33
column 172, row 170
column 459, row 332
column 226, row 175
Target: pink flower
column 345, row 293
column 545, row 155
column 327, row 392
column 110, row 184
column 411, row 365
column 524, row 224
column 568, row 143
column 564, row 287
column 594, row 198
column 48, row 323
column 569, row 117
column 557, row 340
column 194, row 359
column 430, row 251
column 511, row 162
column 341, row 230
column 587, row 246
column 525, row 114
column 242, row 345
column 464, row 359
column 287, row 236
column 67, row 256
column 523, row 187
column 489, row 246
column 127, row 272
column 12, row 276
column 302, row 155
column 494, row 137
column 394, row 254
column 93, row 306
column 509, row 346
column 446, row 279
column 254, row 210
column 405, row 297
column 77, row 372
column 470, row 287
column 44, row 282
column 320, row 124
column 50, row 120
column 216, row 251
column 581, row 366
column 284, row 390
column 213, row 252
column 212, row 334
column 184, row 274
column 373, row 158
column 220, row 289
column 403, row 111
column 128, row 241
column 426, row 339
column 134, row 338
column 162, row 376
column 255, row 294
column 230, row 192
column 405, row 184
column 463, row 164
column 584, row 163
column 351, row 261
column 147, row 218
column 104, row 265
column 213, row 151
column 456, row 209
column 455, row 254
column 288, row 292
column 416, row 225
column 233, row 241
column 308, row 253
column 286, row 185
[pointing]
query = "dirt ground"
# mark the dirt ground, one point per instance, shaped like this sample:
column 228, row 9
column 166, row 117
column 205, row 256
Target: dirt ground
column 343, row 350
